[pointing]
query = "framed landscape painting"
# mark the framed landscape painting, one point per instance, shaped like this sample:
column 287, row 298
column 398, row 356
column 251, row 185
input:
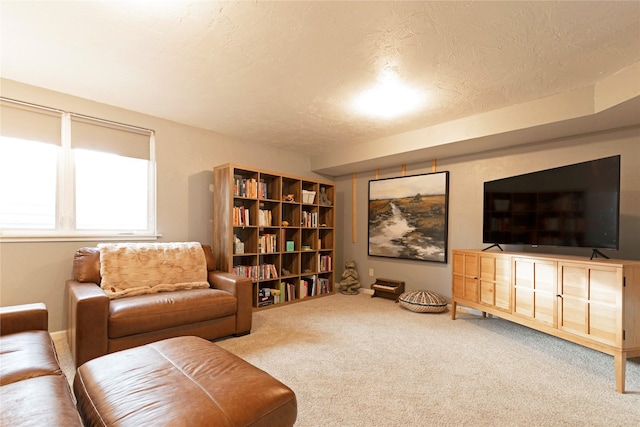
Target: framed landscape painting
column 408, row 217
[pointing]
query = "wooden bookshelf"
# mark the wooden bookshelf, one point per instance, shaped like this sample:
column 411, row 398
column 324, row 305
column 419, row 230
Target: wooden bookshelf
column 279, row 243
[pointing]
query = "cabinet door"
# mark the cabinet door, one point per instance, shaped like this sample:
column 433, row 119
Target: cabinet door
column 495, row 281
column 457, row 289
column 534, row 290
column 487, row 280
column 588, row 304
column 465, row 276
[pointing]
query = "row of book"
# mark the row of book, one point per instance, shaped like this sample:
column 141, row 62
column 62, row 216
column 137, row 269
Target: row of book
column 265, row 218
column 312, row 286
column 324, row 263
column 256, row 272
column 268, row 296
column 267, row 243
column 241, row 216
column 249, row 187
column 286, row 291
column 309, row 219
column 268, row 271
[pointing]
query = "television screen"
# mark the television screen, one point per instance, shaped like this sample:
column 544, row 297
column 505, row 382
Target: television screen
column 576, row 205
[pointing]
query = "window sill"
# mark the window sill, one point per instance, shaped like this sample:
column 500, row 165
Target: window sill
column 124, row 237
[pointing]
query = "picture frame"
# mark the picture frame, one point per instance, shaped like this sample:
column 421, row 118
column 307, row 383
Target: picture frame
column 408, row 217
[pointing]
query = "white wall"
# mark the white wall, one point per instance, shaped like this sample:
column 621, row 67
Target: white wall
column 467, row 175
column 186, row 156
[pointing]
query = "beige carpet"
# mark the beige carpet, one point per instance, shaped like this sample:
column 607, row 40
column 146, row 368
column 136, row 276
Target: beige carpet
column 362, row 361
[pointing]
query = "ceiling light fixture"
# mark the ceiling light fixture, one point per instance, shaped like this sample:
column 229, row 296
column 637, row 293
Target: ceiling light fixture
column 389, row 98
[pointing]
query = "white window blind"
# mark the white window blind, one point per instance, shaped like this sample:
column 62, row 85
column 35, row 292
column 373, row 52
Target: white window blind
column 26, row 122
column 97, row 135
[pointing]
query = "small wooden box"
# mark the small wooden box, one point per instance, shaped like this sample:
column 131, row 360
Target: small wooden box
column 387, row 288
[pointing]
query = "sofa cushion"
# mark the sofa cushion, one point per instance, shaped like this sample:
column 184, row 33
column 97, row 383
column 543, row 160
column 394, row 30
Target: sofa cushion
column 40, row 401
column 185, row 381
column 140, row 268
column 26, row 355
column 208, row 254
column 152, row 312
column 86, row 265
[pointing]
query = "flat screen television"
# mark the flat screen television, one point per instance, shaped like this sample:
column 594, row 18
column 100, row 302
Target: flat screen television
column 576, row 205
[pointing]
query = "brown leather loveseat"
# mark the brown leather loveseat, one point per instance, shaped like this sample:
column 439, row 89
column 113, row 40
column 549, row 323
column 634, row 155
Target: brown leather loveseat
column 33, row 389
column 98, row 325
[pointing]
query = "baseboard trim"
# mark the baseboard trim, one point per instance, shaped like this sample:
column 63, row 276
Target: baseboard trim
column 59, row 334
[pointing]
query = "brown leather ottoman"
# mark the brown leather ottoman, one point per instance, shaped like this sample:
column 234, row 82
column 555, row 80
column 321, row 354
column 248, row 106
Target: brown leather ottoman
column 184, row 381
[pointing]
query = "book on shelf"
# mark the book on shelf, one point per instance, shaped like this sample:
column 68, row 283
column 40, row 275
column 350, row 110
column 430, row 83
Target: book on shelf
column 265, row 218
column 241, row 216
column 263, row 190
column 313, row 285
column 250, row 271
column 323, row 286
column 309, row 219
column 245, row 187
column 303, row 289
column 237, row 183
column 287, row 291
column 268, row 271
column 267, row 244
column 324, row 263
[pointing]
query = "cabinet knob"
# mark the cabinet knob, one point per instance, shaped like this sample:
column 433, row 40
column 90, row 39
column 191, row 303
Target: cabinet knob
column 559, row 296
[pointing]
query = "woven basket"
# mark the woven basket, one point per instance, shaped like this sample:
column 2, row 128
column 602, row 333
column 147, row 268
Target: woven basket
column 423, row 302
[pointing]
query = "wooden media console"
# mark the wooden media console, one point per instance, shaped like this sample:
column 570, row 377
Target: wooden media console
column 594, row 303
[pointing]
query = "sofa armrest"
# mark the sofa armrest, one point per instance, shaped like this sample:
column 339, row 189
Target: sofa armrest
column 25, row 317
column 87, row 321
column 242, row 288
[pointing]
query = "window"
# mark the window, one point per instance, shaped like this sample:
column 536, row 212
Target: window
column 65, row 176
column 105, row 200
column 28, row 194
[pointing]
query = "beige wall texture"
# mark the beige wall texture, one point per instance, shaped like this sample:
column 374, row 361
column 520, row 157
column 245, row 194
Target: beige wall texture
column 467, row 176
column 186, row 156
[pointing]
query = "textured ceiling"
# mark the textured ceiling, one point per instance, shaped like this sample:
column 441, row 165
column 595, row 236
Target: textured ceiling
column 284, row 73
